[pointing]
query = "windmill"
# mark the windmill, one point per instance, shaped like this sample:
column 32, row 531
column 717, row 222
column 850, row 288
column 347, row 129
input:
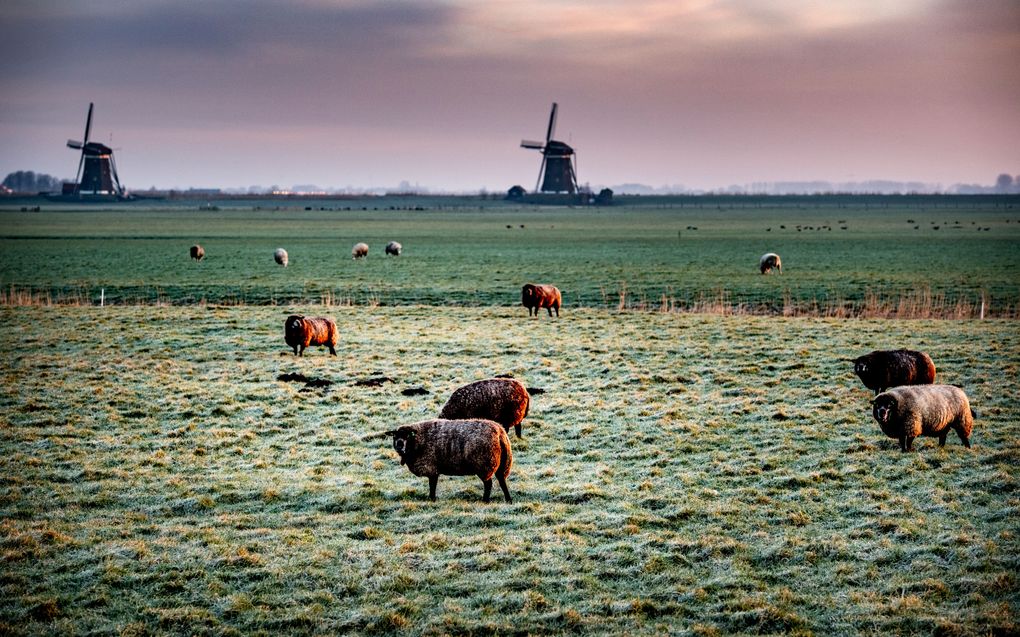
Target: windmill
column 97, row 172
column 557, row 172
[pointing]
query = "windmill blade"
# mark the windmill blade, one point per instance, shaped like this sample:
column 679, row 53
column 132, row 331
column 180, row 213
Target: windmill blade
column 552, row 123
column 116, row 179
column 75, row 144
column 77, row 175
column 541, row 173
column 88, row 123
column 527, row 143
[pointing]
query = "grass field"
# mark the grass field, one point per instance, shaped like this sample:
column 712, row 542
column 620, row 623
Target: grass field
column 681, row 473
column 672, row 255
column 686, row 472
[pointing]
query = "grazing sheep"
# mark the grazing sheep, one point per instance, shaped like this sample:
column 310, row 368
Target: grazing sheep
column 455, row 448
column 281, row 256
column 924, row 410
column 504, row 400
column 394, row 248
column 301, row 332
column 883, row 369
column 535, row 296
column 770, row 260
column 197, row 252
column 359, row 251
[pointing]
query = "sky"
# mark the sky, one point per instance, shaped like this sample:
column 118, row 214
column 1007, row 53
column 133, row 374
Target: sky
column 338, row 93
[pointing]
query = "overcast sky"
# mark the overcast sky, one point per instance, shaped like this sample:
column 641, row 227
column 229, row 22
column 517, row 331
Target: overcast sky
column 704, row 93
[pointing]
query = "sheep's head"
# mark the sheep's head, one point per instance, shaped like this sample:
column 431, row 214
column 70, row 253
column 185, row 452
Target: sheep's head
column 883, row 408
column 404, row 442
column 528, row 291
column 861, row 366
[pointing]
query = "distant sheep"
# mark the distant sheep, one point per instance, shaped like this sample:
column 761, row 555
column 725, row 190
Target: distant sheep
column 883, row 369
column 770, row 261
column 280, row 256
column 907, row 412
column 535, row 296
column 456, row 448
column 394, row 248
column 359, row 251
column 504, row 400
column 197, row 252
column 300, row 332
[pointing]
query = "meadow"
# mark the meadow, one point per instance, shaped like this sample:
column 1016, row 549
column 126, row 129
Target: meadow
column 701, row 460
column 681, row 473
column 840, row 257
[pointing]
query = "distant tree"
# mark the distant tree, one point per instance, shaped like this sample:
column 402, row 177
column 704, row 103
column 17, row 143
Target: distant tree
column 29, row 181
column 1004, row 183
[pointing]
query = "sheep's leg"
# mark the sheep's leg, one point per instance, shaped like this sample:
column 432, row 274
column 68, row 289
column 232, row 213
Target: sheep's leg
column 332, row 350
column 517, row 429
column 557, row 311
column 433, row 481
column 903, row 444
column 506, row 491
column 963, row 437
column 942, row 439
column 302, row 352
column 488, row 489
column 295, row 350
column 910, row 443
column 549, row 309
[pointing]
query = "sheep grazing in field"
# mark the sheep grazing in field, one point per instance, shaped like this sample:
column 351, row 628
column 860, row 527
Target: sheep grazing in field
column 456, row 448
column 394, row 248
column 503, row 400
column 770, row 261
column 883, row 369
column 359, row 251
column 280, row 256
column 300, row 332
column 535, row 296
column 910, row 411
column 197, row 252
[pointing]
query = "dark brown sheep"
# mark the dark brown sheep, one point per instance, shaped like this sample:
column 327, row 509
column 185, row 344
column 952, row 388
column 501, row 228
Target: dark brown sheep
column 910, row 411
column 394, row 248
column 504, row 400
column 197, row 252
column 456, row 448
column 359, row 251
column 770, row 261
column 883, row 369
column 535, row 296
column 301, row 332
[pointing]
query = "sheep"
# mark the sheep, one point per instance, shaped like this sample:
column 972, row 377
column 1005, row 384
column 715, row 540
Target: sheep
column 359, row 251
column 455, row 448
column 394, row 248
column 504, row 400
column 924, row 410
column 197, row 252
column 301, row 332
column 770, row 260
column 281, row 256
column 883, row 369
column 535, row 296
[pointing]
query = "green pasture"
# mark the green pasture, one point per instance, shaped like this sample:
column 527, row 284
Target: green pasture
column 681, row 474
column 671, row 253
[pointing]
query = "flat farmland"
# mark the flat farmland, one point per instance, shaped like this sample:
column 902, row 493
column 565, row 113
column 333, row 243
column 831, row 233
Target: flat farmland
column 688, row 474
column 701, row 459
column 839, row 256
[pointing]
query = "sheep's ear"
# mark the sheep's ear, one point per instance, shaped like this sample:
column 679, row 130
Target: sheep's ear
column 392, row 432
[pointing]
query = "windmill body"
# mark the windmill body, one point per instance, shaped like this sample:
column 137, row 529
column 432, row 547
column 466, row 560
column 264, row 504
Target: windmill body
column 97, row 172
column 557, row 172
